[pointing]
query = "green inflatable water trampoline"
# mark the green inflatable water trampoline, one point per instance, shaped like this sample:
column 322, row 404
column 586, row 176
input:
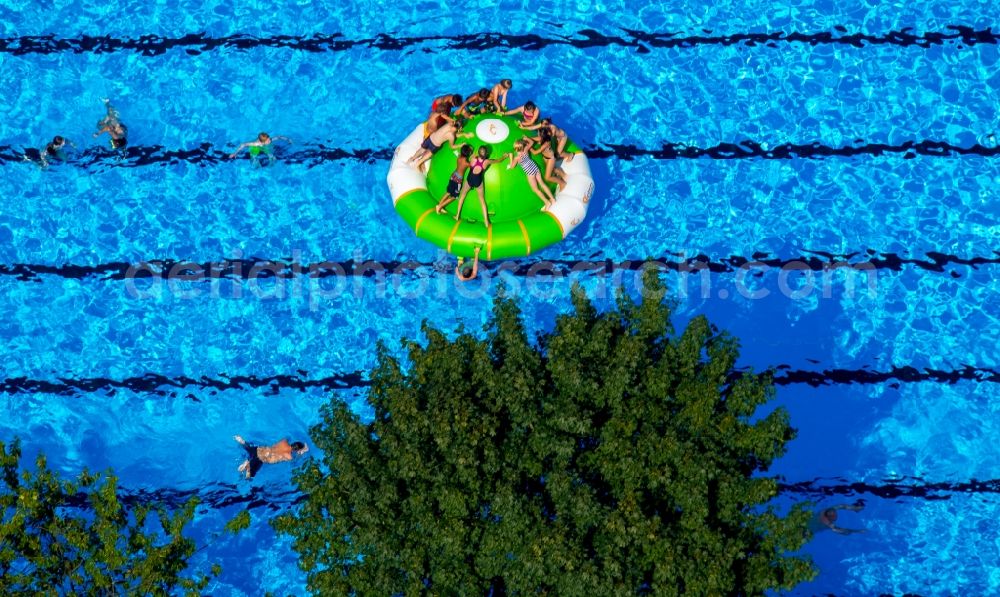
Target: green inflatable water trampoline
column 518, row 226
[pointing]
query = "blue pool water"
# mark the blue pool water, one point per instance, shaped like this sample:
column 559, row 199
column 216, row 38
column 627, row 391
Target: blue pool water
column 153, row 378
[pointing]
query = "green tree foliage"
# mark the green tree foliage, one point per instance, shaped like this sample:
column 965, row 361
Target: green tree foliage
column 613, row 457
column 49, row 545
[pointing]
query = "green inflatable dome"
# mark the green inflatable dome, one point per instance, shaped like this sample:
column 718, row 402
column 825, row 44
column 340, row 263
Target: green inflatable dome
column 518, row 227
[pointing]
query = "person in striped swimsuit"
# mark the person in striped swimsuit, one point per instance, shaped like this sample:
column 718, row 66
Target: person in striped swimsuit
column 522, row 157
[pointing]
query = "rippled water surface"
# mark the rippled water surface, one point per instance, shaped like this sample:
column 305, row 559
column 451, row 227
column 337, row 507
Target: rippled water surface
column 787, row 138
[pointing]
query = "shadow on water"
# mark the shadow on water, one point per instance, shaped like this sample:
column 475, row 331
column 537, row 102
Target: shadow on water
column 583, row 132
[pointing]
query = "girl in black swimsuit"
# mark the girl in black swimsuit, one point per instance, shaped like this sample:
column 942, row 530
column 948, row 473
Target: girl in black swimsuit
column 477, row 171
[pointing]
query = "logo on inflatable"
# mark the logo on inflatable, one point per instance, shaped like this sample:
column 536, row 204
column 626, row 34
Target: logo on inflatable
column 586, row 196
column 492, row 130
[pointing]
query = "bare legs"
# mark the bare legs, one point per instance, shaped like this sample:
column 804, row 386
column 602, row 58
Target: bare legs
column 461, row 201
column 554, row 175
column 561, row 146
column 419, row 154
column 420, row 162
column 448, row 198
column 482, row 203
column 540, row 189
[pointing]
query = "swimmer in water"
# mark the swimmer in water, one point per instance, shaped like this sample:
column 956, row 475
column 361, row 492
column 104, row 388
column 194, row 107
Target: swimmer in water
column 262, row 145
column 55, row 150
column 258, row 456
column 111, row 125
column 826, row 519
column 465, row 271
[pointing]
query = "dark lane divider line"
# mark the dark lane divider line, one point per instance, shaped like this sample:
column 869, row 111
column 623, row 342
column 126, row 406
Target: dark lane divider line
column 136, row 156
column 205, row 154
column 252, row 496
column 642, row 41
column 182, row 386
column 216, row 496
column 830, row 377
column 161, row 385
column 892, row 489
column 857, row 263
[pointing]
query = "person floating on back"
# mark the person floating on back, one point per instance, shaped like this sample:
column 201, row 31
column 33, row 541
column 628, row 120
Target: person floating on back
column 260, row 147
column 111, row 125
column 258, row 456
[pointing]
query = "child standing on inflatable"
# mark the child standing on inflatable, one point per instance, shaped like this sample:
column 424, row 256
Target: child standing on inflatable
column 457, row 180
column 530, row 168
column 261, row 145
column 477, row 172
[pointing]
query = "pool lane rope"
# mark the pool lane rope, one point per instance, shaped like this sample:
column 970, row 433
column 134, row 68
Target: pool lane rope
column 518, row 226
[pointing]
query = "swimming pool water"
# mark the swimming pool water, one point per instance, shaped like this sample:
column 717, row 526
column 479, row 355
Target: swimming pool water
column 153, row 378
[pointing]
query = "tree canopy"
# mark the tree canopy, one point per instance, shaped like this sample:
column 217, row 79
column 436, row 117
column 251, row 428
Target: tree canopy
column 78, row 538
column 612, row 456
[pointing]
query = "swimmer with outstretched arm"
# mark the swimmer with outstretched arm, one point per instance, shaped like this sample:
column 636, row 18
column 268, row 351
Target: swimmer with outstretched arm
column 111, row 125
column 258, row 456
column 261, row 143
column 826, row 519
column 466, row 272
